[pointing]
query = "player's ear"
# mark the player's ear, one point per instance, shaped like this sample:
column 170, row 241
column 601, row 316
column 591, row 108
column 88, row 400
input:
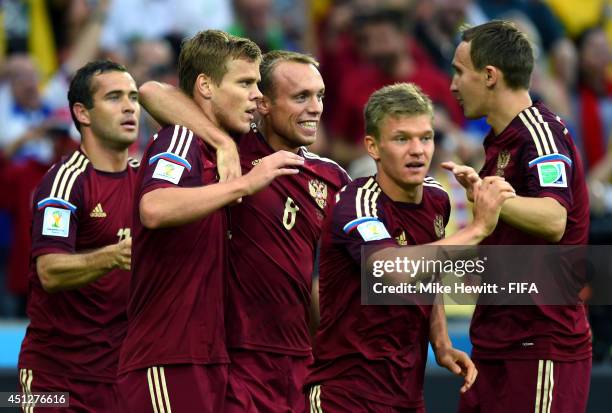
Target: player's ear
column 203, row 86
column 492, row 75
column 371, row 145
column 263, row 105
column 81, row 113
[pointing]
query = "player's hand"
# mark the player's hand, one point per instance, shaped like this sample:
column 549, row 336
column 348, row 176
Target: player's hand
column 228, row 162
column 123, row 254
column 489, row 196
column 465, row 175
column 458, row 363
column 272, row 166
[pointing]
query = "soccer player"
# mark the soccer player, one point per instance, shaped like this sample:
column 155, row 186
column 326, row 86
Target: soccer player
column 174, row 356
column 81, row 248
column 540, row 355
column 372, row 358
column 274, row 235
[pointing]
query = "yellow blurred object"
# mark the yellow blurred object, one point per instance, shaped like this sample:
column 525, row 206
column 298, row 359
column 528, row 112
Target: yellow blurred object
column 319, row 9
column 41, row 42
column 579, row 15
column 2, row 37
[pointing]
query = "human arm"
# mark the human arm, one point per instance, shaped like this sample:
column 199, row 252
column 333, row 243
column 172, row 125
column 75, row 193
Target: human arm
column 544, row 217
column 173, row 206
column 489, row 195
column 169, row 105
column 448, row 357
column 60, row 271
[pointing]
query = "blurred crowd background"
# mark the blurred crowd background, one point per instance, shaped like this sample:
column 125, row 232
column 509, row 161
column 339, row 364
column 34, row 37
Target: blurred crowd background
column 362, row 45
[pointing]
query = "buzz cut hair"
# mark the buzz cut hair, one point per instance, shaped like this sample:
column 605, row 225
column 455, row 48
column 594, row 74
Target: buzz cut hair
column 208, row 52
column 272, row 59
column 501, row 44
column 400, row 99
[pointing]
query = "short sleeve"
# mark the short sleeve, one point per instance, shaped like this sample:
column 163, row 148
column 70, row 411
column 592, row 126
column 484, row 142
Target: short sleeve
column 356, row 221
column 58, row 203
column 547, row 163
column 173, row 159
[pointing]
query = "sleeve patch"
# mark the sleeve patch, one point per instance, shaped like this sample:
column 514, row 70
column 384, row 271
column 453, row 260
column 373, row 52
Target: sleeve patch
column 373, row 231
column 56, row 222
column 370, row 228
column 552, row 174
column 168, row 171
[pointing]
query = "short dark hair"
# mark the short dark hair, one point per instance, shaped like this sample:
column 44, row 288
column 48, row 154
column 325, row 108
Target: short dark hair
column 272, row 59
column 208, row 52
column 501, row 44
column 81, row 89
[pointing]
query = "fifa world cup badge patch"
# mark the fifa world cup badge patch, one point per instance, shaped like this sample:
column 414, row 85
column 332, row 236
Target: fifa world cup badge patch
column 373, row 231
column 56, row 222
column 168, row 171
column 318, row 190
column 439, row 226
column 552, row 174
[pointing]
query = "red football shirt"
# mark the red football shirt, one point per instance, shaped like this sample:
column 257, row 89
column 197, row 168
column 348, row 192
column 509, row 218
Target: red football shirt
column 77, row 333
column 376, row 352
column 536, row 155
column 175, row 308
column 274, row 239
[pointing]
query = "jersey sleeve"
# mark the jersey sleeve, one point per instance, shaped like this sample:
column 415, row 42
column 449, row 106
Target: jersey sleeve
column 356, row 221
column 547, row 163
column 57, row 206
column 173, row 159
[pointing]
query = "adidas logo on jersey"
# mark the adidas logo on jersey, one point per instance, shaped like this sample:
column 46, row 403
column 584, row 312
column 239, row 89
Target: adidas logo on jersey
column 98, row 212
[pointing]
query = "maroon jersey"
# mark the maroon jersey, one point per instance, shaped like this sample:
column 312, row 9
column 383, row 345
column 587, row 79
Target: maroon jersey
column 537, row 156
column 77, row 333
column 274, row 238
column 175, row 308
column 376, row 352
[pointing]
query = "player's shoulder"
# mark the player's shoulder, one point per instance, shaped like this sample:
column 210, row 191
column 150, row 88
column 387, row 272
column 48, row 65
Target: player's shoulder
column 538, row 126
column 359, row 198
column 325, row 167
column 173, row 144
column 434, row 189
column 59, row 183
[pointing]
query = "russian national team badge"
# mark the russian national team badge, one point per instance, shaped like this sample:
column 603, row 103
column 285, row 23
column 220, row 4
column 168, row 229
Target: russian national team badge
column 503, row 159
column 552, row 170
column 401, row 239
column 318, row 190
column 439, row 226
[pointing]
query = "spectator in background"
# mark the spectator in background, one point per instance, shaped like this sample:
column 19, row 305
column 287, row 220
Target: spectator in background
column 163, row 18
column 437, row 29
column 388, row 55
column 594, row 95
column 256, row 20
column 151, row 60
